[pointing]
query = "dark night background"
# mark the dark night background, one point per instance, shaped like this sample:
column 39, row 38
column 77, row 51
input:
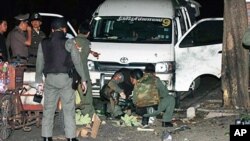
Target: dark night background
column 79, row 10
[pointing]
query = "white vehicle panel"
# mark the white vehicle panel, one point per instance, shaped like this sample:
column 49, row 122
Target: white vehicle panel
column 192, row 62
column 145, row 8
column 195, row 60
column 113, row 52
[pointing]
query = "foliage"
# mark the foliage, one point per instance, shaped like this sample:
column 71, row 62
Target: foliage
column 245, row 117
column 82, row 119
column 78, row 99
column 130, row 120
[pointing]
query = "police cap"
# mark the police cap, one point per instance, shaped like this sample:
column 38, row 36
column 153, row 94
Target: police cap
column 58, row 23
column 35, row 16
column 22, row 17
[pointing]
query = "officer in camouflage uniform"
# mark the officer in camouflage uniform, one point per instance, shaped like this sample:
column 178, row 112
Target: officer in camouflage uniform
column 36, row 38
column 167, row 102
column 145, row 95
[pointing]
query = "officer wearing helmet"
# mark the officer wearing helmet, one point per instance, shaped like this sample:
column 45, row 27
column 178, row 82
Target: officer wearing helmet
column 153, row 84
column 52, row 56
column 36, row 37
column 117, row 92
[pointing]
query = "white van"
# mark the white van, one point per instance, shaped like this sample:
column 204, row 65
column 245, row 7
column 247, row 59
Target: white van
column 132, row 33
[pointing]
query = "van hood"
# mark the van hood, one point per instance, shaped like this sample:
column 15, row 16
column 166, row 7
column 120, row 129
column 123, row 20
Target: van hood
column 125, row 53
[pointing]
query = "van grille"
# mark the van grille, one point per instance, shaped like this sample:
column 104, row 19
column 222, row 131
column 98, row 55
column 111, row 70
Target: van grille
column 112, row 67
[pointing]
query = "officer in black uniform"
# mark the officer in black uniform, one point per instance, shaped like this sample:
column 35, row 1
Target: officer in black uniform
column 54, row 57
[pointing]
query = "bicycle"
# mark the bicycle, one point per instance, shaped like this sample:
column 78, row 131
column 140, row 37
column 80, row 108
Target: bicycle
column 16, row 115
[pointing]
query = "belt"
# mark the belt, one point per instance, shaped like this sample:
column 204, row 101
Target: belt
column 19, row 57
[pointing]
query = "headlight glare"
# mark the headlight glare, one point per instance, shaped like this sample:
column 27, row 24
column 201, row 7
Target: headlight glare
column 161, row 67
column 91, row 65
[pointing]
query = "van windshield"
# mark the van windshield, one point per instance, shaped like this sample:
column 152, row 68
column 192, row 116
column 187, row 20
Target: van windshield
column 131, row 29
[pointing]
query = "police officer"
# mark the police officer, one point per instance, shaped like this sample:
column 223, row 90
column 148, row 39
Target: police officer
column 83, row 45
column 19, row 39
column 52, row 54
column 119, row 86
column 144, row 93
column 36, row 38
column 167, row 102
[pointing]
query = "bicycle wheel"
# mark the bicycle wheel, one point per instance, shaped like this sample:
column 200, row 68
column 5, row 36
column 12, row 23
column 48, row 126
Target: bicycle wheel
column 6, row 112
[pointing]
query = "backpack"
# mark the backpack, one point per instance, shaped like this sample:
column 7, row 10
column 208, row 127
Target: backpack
column 145, row 91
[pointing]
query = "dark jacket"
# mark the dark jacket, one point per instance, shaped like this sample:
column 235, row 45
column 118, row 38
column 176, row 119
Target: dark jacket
column 3, row 48
column 55, row 54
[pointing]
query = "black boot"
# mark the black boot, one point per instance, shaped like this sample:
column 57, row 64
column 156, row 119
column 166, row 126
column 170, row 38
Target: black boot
column 145, row 121
column 167, row 124
column 47, row 139
column 73, row 139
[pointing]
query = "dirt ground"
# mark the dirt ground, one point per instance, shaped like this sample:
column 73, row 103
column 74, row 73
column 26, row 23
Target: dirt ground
column 211, row 123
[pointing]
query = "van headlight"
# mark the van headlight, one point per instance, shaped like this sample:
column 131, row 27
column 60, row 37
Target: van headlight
column 164, row 67
column 97, row 18
column 91, row 65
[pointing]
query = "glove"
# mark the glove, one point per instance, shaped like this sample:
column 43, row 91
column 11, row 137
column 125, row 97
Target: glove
column 122, row 95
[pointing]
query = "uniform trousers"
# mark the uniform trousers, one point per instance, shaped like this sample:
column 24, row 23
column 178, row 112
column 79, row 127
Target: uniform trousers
column 86, row 100
column 58, row 86
column 166, row 105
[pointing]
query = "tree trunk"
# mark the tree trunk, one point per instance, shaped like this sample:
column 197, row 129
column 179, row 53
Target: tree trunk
column 235, row 58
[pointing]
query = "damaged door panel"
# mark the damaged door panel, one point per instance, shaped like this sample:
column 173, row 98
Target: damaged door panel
column 199, row 53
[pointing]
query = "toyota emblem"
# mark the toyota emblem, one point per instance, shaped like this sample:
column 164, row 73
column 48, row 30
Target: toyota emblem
column 124, row 60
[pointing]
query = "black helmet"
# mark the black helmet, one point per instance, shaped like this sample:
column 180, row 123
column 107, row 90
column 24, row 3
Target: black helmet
column 136, row 74
column 150, row 68
column 35, row 16
column 58, row 23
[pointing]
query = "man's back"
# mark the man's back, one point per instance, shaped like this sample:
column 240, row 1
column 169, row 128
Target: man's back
column 146, row 92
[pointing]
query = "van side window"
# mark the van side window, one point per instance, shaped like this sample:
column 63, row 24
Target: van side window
column 205, row 33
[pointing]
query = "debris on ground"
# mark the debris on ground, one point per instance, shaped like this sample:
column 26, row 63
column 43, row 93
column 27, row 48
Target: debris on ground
column 145, row 129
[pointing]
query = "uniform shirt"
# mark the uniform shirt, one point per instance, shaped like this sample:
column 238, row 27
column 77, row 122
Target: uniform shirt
column 36, row 39
column 70, row 47
column 113, row 84
column 84, row 49
column 120, row 82
column 16, row 40
column 163, row 90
